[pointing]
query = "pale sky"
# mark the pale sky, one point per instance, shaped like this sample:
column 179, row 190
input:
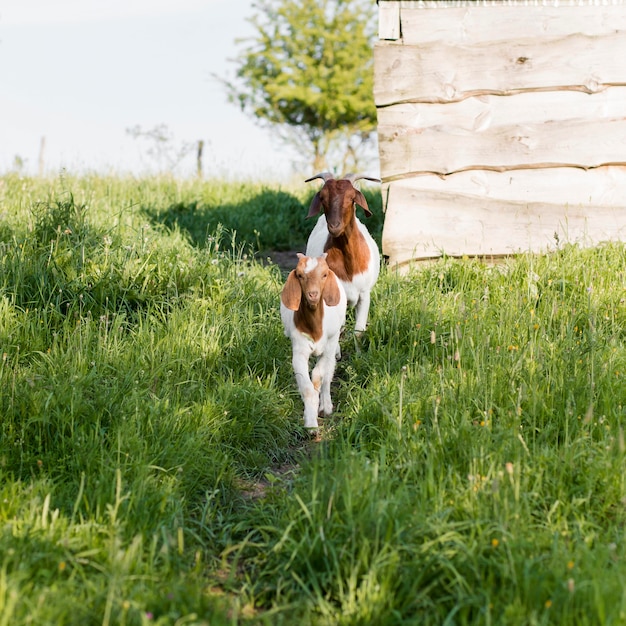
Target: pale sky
column 82, row 72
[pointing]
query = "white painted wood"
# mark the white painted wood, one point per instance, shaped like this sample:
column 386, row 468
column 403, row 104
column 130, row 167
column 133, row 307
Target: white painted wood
column 502, row 126
column 446, row 150
column 510, row 132
column 471, row 24
column 496, row 214
column 456, row 4
column 480, row 113
column 389, row 20
column 444, row 72
column 559, row 186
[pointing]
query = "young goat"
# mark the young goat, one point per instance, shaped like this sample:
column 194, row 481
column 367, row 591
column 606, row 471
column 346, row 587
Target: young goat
column 352, row 253
column 313, row 311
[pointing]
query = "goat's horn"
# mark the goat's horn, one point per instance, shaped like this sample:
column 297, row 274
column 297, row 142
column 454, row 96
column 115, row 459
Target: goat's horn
column 354, row 177
column 323, row 175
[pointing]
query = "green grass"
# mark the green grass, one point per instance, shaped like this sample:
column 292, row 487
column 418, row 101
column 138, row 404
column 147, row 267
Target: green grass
column 153, row 464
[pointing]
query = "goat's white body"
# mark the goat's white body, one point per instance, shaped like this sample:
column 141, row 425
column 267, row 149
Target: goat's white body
column 357, row 290
column 315, row 388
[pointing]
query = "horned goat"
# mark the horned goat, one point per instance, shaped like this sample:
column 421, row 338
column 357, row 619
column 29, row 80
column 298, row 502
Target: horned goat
column 352, row 252
column 313, row 312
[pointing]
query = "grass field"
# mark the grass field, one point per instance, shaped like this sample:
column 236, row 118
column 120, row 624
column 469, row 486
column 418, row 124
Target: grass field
column 153, row 464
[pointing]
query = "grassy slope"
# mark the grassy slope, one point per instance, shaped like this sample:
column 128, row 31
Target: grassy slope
column 153, row 464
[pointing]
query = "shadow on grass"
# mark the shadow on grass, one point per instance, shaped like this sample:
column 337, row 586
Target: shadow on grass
column 270, row 221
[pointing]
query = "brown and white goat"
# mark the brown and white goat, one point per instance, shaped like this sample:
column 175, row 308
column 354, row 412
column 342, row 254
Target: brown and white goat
column 313, row 312
column 352, row 252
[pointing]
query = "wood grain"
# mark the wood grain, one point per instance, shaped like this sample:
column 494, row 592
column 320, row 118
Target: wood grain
column 495, row 214
column 501, row 126
column 447, row 72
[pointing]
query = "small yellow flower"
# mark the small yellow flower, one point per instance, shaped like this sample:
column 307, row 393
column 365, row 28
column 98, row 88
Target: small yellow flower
column 548, row 604
column 495, row 543
column 570, row 565
column 62, row 566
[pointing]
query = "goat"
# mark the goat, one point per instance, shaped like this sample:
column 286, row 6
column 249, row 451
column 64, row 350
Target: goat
column 352, row 252
column 313, row 312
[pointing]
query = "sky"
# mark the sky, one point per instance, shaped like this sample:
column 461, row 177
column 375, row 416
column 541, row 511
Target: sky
column 76, row 75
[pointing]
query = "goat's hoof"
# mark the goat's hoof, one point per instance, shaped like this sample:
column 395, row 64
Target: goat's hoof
column 314, row 435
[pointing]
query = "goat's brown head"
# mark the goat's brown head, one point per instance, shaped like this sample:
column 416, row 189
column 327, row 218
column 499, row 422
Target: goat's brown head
column 312, row 279
column 337, row 198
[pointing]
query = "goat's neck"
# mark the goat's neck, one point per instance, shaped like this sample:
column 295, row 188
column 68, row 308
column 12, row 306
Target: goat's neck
column 308, row 320
column 348, row 254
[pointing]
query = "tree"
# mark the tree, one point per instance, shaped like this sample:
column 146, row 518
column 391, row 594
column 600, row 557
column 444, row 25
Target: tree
column 308, row 73
column 162, row 148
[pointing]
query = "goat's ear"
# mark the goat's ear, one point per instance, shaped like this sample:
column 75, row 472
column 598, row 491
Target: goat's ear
column 292, row 292
column 362, row 202
column 316, row 205
column 331, row 294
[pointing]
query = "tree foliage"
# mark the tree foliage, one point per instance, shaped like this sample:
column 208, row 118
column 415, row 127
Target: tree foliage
column 308, row 72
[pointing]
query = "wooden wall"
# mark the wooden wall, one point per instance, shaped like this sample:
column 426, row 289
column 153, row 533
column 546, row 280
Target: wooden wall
column 501, row 124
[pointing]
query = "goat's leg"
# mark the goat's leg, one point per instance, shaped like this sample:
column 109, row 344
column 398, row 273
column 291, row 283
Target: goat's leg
column 309, row 393
column 324, row 372
column 361, row 312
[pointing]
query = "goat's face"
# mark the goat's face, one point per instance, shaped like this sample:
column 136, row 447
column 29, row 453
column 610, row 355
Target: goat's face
column 312, row 274
column 312, row 279
column 337, row 198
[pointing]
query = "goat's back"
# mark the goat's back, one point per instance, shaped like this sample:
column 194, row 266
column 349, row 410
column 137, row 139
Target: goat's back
column 318, row 237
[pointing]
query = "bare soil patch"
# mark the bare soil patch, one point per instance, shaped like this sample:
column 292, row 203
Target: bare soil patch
column 285, row 259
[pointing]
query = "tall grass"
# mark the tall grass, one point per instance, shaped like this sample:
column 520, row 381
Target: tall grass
column 155, row 470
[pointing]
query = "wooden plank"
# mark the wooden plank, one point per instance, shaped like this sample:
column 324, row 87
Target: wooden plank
column 494, row 132
column 389, row 20
column 530, row 4
column 495, row 214
column 586, row 143
column 602, row 187
column 488, row 102
column 476, row 23
column 444, row 72
column 483, row 112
